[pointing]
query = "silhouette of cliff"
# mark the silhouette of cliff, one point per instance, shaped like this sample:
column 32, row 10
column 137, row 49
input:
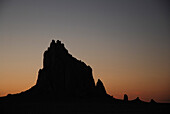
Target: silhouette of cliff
column 70, row 82
column 64, row 76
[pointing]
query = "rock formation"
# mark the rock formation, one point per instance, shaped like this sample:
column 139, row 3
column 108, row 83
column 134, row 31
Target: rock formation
column 100, row 89
column 64, row 76
column 125, row 98
column 152, row 101
column 138, row 100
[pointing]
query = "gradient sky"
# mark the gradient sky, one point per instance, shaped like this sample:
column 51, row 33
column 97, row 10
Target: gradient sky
column 126, row 42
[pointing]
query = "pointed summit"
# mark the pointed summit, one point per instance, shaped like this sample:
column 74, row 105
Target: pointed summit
column 100, row 88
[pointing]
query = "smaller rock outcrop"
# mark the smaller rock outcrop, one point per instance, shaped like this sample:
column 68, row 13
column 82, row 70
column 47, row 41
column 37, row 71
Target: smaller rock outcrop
column 125, row 98
column 137, row 100
column 152, row 101
column 100, row 89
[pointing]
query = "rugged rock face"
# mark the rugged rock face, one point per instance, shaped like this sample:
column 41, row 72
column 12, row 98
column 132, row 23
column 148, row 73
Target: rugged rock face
column 64, row 75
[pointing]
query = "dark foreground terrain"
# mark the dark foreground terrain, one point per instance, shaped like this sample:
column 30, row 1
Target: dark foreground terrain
column 82, row 107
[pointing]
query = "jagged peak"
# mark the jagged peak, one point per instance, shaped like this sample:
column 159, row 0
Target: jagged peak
column 52, row 43
column 99, row 82
column 58, row 50
column 57, row 47
column 58, row 43
column 100, row 89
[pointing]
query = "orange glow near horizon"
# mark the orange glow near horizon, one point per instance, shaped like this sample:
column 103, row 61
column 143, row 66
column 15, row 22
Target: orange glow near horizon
column 118, row 79
column 126, row 42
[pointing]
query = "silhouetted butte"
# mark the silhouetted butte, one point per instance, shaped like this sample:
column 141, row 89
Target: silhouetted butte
column 64, row 76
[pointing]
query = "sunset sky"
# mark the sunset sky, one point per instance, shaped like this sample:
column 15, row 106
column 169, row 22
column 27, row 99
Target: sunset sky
column 126, row 42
